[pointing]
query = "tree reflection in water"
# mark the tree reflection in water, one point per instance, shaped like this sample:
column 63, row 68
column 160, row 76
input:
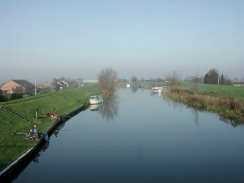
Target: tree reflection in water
column 195, row 116
column 170, row 102
column 134, row 88
column 232, row 122
column 110, row 107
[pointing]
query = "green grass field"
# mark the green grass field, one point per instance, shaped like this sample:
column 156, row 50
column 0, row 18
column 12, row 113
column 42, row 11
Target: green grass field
column 12, row 145
column 225, row 90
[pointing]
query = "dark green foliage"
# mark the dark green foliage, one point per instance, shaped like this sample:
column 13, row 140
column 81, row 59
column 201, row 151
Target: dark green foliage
column 222, row 80
column 8, row 97
column 211, row 77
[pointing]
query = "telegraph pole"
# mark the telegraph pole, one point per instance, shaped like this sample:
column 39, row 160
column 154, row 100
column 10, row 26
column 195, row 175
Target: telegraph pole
column 35, row 87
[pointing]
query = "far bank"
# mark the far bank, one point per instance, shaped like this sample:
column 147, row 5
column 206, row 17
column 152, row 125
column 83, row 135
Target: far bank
column 227, row 101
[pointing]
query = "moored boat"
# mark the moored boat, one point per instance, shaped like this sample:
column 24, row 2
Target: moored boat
column 157, row 89
column 127, row 85
column 95, row 99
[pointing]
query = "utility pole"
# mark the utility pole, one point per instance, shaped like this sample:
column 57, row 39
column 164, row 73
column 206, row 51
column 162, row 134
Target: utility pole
column 35, row 87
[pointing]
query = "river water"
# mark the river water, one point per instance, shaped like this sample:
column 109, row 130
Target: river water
column 141, row 137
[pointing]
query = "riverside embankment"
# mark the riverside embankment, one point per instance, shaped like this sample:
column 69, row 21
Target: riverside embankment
column 227, row 101
column 21, row 117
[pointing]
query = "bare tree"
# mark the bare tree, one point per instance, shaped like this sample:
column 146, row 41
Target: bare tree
column 107, row 81
column 195, row 81
column 174, row 78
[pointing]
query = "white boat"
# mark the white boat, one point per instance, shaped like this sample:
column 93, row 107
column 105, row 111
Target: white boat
column 157, row 89
column 95, row 99
column 127, row 85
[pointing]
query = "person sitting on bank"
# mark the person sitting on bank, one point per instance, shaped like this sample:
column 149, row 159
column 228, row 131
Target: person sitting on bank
column 55, row 114
column 33, row 132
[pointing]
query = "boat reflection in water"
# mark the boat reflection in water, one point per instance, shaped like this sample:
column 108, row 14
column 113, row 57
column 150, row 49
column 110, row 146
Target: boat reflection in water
column 95, row 107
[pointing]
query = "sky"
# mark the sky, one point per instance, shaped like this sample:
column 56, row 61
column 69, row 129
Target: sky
column 42, row 40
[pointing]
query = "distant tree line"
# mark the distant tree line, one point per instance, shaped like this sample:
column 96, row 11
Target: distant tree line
column 212, row 77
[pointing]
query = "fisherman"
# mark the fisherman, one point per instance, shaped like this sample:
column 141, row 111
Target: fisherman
column 33, row 132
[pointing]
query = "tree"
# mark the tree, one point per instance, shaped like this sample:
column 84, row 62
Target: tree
column 159, row 79
column 107, row 81
column 133, row 79
column 195, row 82
column 222, row 80
column 228, row 81
column 73, row 84
column 211, row 77
column 1, row 96
column 174, row 78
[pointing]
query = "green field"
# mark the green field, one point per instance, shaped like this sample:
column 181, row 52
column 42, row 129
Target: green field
column 12, row 144
column 225, row 90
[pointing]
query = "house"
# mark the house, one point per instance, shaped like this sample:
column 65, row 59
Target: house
column 23, row 85
column 238, row 83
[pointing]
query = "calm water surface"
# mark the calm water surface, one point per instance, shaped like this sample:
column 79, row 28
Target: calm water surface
column 140, row 137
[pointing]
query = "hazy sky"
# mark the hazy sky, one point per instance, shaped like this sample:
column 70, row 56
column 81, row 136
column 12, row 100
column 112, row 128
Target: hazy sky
column 49, row 39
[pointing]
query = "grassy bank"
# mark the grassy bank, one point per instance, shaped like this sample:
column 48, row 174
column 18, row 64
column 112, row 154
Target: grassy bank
column 13, row 144
column 228, row 101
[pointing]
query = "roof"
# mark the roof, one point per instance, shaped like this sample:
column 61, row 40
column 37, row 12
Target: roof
column 24, row 83
column 239, row 82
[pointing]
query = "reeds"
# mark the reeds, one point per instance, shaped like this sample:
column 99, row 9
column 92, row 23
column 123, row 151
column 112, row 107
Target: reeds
column 227, row 106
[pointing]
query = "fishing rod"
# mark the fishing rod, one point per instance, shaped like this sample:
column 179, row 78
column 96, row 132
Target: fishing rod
column 72, row 128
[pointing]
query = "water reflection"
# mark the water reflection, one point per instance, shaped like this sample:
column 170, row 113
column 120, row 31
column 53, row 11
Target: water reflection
column 43, row 149
column 159, row 94
column 110, row 107
column 173, row 103
column 232, row 122
column 169, row 102
column 59, row 127
column 195, row 116
column 95, row 107
column 134, row 88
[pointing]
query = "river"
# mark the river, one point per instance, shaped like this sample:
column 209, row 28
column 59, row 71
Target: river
column 138, row 136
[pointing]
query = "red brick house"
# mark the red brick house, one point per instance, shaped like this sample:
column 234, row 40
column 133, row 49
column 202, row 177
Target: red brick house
column 11, row 85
